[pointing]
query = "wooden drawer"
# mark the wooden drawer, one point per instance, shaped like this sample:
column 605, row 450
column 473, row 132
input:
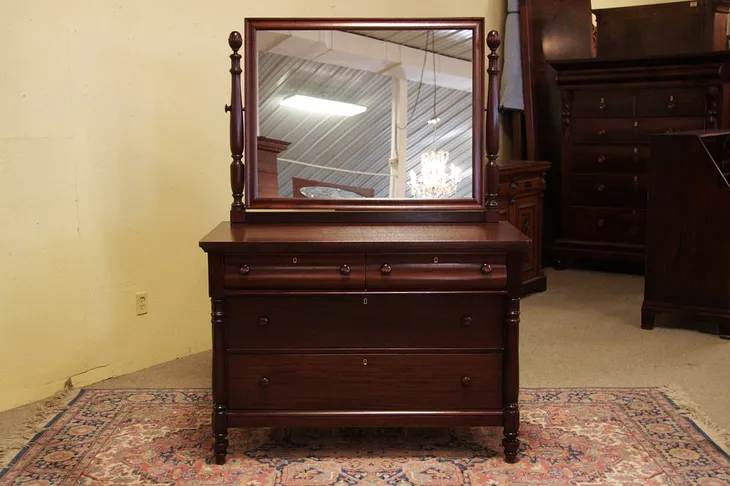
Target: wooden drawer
column 668, row 102
column 295, row 272
column 590, row 103
column 433, row 271
column 610, row 225
column 609, row 158
column 427, row 320
column 609, row 190
column 520, row 185
column 365, row 381
column 629, row 130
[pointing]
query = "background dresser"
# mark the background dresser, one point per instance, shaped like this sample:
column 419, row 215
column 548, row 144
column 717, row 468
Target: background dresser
column 610, row 108
column 521, row 195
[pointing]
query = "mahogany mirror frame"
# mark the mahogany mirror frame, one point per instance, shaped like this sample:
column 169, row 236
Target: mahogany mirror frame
column 248, row 206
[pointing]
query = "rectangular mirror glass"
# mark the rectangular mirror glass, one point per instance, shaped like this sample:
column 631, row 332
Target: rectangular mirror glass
column 365, row 114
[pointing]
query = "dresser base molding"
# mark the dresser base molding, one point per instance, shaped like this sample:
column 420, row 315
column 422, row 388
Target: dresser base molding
column 565, row 252
column 650, row 311
column 534, row 285
column 366, row 418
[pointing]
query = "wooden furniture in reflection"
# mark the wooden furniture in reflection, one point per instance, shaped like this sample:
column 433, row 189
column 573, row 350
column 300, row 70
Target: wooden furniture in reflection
column 521, row 193
column 268, row 169
column 694, row 26
column 687, row 251
column 555, row 29
column 365, row 311
column 610, row 108
column 298, row 183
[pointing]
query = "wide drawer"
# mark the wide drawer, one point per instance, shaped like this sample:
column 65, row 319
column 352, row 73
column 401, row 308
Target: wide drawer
column 426, row 320
column 609, row 225
column 325, row 271
column 671, row 102
column 603, row 103
column 609, row 158
column 609, row 190
column 630, row 130
column 433, row 271
column 365, row 382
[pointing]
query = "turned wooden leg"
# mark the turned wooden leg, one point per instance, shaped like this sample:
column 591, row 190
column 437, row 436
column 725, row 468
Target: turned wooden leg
column 511, row 442
column 220, row 433
column 647, row 319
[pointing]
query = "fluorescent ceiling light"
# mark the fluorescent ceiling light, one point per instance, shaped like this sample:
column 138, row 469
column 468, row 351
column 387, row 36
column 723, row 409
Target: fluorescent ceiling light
column 319, row 105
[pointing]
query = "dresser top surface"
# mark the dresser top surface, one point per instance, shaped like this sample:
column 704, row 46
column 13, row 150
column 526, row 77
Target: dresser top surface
column 363, row 237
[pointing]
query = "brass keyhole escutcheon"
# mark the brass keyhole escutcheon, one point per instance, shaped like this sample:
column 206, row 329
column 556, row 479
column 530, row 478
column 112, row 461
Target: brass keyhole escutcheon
column 365, row 362
column 671, row 98
column 603, row 100
column 435, row 259
column 636, row 150
column 365, row 301
column 636, row 124
column 294, row 260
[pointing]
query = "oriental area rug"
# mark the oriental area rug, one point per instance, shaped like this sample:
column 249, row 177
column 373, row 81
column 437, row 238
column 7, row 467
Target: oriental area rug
column 635, row 436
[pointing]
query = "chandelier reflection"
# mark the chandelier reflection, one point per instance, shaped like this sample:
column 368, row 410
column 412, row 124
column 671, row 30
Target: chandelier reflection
column 437, row 179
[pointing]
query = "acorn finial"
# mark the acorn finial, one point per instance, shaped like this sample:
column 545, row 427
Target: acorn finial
column 493, row 40
column 235, row 40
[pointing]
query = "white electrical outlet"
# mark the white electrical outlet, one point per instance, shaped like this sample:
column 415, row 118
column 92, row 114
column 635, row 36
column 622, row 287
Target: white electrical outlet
column 141, row 303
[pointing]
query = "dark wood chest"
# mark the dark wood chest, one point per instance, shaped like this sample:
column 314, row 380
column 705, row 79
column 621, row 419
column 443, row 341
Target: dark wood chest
column 610, row 109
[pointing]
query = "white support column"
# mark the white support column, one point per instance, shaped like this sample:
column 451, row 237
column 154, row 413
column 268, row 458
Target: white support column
column 398, row 139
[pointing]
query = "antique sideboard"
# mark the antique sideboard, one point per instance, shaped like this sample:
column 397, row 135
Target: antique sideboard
column 372, row 311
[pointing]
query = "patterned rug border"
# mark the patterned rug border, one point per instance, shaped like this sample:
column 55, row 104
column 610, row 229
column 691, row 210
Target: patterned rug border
column 715, row 435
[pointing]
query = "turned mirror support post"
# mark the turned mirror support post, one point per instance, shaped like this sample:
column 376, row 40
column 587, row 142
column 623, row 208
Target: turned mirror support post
column 491, row 204
column 236, row 129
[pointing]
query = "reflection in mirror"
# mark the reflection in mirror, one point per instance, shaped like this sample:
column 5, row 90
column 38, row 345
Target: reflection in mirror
column 388, row 112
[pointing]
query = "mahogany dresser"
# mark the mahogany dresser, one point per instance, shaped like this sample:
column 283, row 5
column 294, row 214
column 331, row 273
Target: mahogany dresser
column 521, row 195
column 365, row 311
column 610, row 108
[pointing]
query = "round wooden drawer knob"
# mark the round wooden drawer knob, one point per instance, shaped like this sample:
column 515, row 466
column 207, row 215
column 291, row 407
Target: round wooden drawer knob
column 601, row 159
column 466, row 321
column 263, row 321
column 245, row 270
column 486, row 269
column 602, row 132
column 264, row 382
column 466, row 381
column 602, row 107
column 600, row 223
column 345, row 270
column 386, row 269
column 600, row 188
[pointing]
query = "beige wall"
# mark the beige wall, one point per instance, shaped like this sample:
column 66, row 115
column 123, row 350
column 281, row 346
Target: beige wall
column 113, row 163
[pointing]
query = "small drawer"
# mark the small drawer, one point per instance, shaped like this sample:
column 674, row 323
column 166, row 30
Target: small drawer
column 609, row 190
column 608, row 225
column 365, row 382
column 280, row 271
column 671, row 102
column 519, row 185
column 372, row 321
column 434, row 271
column 609, row 158
column 590, row 103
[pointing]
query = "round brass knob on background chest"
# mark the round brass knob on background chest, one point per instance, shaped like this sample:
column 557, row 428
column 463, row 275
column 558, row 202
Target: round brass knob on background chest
column 601, row 159
column 466, row 381
column 602, row 132
column 486, row 269
column 600, row 222
column 345, row 269
column 263, row 321
column 466, row 321
column 385, row 269
column 600, row 188
column 264, row 382
column 244, row 270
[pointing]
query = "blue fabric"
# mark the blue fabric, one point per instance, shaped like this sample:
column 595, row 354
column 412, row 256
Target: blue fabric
column 511, row 92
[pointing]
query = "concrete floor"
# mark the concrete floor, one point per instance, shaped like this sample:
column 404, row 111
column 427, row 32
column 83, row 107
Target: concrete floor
column 584, row 331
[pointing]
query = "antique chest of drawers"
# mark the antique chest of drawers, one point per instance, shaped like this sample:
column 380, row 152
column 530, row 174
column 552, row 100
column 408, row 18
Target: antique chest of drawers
column 365, row 325
column 610, row 108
